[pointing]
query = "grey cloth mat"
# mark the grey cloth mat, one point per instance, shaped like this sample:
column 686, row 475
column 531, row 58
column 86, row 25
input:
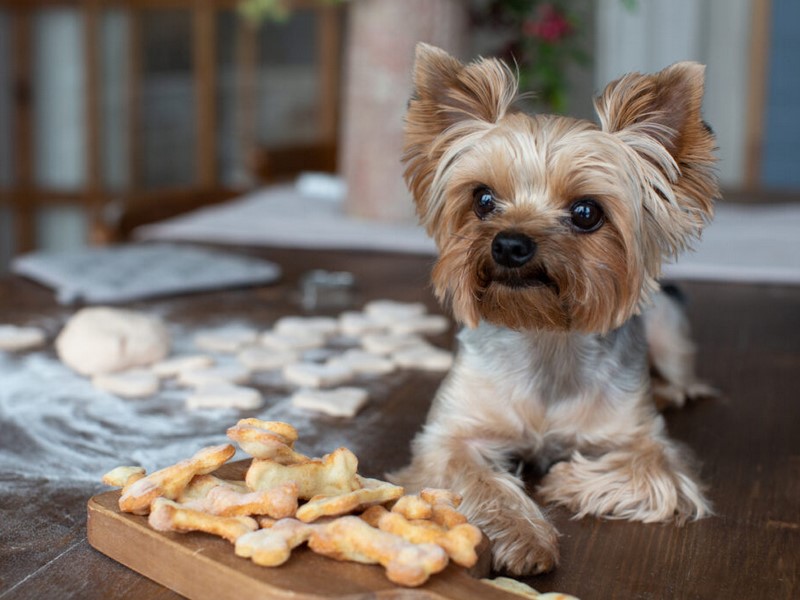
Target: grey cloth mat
column 116, row 274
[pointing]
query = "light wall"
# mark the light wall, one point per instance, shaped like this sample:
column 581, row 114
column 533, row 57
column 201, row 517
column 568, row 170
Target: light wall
column 658, row 33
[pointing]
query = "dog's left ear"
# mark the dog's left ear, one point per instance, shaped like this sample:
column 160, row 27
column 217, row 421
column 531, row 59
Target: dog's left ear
column 659, row 116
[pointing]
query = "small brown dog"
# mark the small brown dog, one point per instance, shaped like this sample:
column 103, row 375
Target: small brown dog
column 551, row 233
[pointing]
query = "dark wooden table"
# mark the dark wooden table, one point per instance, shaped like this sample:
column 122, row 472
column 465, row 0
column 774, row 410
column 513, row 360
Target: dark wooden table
column 748, row 441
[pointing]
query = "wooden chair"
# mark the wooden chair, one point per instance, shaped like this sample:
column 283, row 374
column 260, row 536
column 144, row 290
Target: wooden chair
column 138, row 206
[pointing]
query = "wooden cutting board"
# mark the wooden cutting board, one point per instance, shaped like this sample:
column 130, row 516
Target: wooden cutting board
column 204, row 567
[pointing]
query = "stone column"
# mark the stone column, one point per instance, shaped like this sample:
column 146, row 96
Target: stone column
column 381, row 38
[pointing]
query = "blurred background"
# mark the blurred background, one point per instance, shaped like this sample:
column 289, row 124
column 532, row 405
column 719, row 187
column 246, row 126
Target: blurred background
column 119, row 113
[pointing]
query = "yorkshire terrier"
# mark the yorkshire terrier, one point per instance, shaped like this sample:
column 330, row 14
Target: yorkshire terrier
column 551, row 232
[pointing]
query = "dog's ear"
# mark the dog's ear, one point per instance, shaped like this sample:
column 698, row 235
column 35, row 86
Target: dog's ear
column 453, row 91
column 449, row 102
column 659, row 116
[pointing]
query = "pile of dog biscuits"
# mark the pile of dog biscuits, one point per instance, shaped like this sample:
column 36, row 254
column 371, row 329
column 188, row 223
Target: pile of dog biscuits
column 287, row 499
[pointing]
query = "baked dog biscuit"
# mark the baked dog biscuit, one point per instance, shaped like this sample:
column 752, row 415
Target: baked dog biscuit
column 459, row 542
column 272, row 547
column 228, row 498
column 167, row 515
column 123, row 476
column 277, row 502
column 334, row 473
column 444, row 503
column 267, row 439
column 171, row 481
column 373, row 492
column 196, row 492
column 265, row 522
column 350, row 538
column 413, row 507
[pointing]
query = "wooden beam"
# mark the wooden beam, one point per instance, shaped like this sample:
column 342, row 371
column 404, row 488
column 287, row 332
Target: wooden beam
column 204, row 33
column 329, row 61
column 24, row 208
column 94, row 176
column 36, row 197
column 24, row 196
column 134, row 99
column 140, row 4
column 247, row 93
column 758, row 80
column 152, row 207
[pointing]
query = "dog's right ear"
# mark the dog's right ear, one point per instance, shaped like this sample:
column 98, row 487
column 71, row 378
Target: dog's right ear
column 481, row 90
column 450, row 102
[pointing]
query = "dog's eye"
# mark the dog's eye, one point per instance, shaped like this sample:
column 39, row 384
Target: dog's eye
column 586, row 215
column 483, row 201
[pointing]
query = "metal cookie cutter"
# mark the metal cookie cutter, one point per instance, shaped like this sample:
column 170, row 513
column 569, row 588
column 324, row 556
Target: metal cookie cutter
column 326, row 289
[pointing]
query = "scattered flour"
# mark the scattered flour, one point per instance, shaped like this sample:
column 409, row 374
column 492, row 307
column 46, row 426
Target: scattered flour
column 55, row 425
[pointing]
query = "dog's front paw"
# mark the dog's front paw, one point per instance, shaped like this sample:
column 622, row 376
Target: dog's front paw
column 637, row 486
column 523, row 546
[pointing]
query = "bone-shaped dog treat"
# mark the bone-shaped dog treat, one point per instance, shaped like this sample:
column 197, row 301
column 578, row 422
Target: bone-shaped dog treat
column 197, row 491
column 277, row 502
column 459, row 542
column 326, row 326
column 444, row 503
column 350, row 538
column 171, row 481
column 413, row 507
column 271, row 440
column 265, row 522
column 123, row 476
column 334, row 473
column 391, row 311
column 167, row 515
column 297, row 341
column 373, row 492
column 272, row 547
column 228, row 498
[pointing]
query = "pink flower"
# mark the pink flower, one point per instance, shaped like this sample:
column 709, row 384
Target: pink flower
column 548, row 25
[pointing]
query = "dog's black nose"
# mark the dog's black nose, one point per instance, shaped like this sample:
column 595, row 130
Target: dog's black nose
column 512, row 249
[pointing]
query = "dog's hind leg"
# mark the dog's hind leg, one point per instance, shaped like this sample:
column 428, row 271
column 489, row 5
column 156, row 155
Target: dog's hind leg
column 648, row 478
column 672, row 352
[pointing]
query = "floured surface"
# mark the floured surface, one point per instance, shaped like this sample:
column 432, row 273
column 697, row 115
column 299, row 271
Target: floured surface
column 58, row 426
column 58, row 434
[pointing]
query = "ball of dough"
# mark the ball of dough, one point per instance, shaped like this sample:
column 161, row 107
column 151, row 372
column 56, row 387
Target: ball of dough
column 105, row 340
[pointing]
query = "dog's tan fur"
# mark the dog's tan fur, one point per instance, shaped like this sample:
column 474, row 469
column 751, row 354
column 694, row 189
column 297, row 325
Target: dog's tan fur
column 557, row 373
